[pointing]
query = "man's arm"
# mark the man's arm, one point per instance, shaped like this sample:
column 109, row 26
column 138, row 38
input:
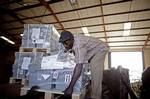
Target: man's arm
column 77, row 72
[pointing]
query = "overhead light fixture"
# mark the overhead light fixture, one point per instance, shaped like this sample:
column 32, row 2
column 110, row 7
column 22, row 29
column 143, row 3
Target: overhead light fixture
column 6, row 39
column 85, row 31
column 21, row 34
column 127, row 27
column 126, row 33
column 73, row 1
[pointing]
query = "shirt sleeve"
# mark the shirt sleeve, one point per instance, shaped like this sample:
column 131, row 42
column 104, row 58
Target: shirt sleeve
column 80, row 53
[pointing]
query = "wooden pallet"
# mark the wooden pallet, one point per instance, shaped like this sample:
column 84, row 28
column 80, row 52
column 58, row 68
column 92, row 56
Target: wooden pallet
column 49, row 94
column 20, row 81
column 45, row 50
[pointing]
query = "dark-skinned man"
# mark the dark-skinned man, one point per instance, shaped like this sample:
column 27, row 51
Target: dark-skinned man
column 86, row 49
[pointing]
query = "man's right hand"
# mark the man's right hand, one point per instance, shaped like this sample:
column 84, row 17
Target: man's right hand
column 68, row 91
column 77, row 72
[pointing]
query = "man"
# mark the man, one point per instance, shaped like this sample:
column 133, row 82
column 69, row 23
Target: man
column 145, row 88
column 86, row 49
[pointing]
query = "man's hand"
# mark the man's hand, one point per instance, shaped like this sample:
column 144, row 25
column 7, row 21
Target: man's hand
column 77, row 72
column 68, row 91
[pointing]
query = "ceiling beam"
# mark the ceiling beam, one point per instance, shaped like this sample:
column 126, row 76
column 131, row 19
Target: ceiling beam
column 119, row 30
column 90, row 25
column 124, row 36
column 143, row 20
column 143, row 28
column 46, row 5
column 113, row 14
column 146, row 41
column 54, row 1
column 35, row 5
column 126, row 41
column 103, row 22
column 128, row 46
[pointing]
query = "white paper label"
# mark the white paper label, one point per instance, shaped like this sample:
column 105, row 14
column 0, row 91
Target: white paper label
column 55, row 74
column 45, row 76
column 46, row 44
column 67, row 78
column 35, row 34
column 39, row 41
column 50, row 62
column 25, row 63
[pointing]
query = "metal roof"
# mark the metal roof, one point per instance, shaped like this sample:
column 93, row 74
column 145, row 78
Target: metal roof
column 104, row 19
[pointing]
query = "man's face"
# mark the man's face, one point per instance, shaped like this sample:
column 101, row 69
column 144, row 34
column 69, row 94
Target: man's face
column 68, row 44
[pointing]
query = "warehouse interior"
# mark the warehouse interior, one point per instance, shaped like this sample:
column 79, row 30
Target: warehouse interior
column 123, row 24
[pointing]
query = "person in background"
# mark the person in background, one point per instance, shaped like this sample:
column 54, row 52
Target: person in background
column 86, row 49
column 145, row 88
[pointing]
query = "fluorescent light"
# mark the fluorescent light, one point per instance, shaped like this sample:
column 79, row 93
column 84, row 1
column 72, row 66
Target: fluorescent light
column 73, row 1
column 25, row 4
column 21, row 34
column 87, row 34
column 6, row 39
column 126, row 33
column 85, row 31
column 127, row 27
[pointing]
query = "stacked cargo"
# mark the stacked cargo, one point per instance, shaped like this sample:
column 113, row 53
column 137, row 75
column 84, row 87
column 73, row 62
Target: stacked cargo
column 22, row 62
column 40, row 36
column 50, row 70
column 56, row 79
column 37, row 38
